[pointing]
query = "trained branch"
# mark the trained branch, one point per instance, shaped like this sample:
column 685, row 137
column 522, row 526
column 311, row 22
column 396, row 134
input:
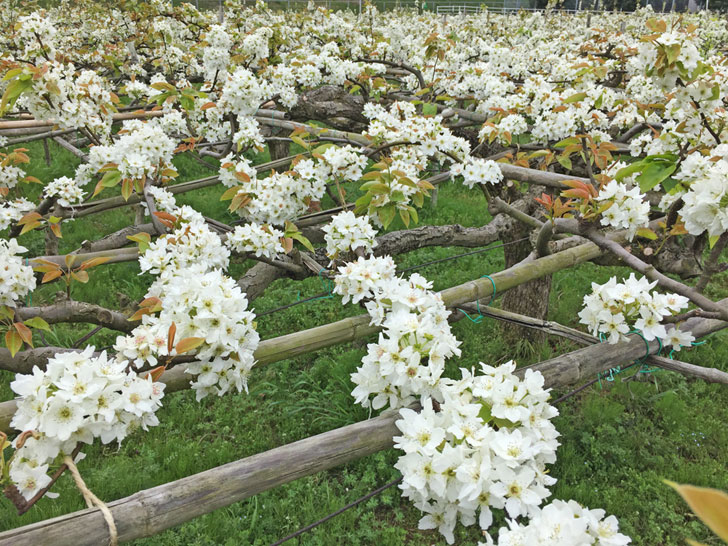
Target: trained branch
column 77, row 311
column 652, row 273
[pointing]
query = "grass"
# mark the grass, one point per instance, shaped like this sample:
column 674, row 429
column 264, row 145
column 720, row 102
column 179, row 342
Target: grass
column 618, row 441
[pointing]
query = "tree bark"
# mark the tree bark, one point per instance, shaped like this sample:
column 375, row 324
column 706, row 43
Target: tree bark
column 531, row 298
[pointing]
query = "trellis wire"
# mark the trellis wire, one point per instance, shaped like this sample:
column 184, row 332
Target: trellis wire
column 339, row 511
column 326, row 295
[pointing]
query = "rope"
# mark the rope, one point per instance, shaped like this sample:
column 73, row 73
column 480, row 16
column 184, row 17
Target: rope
column 92, row 500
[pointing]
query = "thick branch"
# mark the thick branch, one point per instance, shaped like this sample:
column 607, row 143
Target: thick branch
column 78, row 311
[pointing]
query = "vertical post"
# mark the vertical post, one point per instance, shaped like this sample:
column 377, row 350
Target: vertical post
column 47, row 151
column 220, row 12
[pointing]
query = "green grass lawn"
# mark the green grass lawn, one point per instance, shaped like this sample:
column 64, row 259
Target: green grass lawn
column 619, row 440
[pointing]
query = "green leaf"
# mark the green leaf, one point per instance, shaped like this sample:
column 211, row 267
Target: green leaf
column 413, row 213
column 484, row 413
column 13, row 342
column 672, row 52
column 111, row 179
column 566, row 142
column 577, row 97
column 565, row 162
column 37, row 322
column 302, row 143
column 386, row 214
column 303, row 240
column 12, row 92
column 629, row 170
column 142, row 238
column 712, row 240
column 405, row 216
column 429, row 109
column 653, row 174
column 646, row 233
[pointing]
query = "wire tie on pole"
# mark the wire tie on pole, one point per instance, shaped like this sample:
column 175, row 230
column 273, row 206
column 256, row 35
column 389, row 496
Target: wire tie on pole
column 480, row 316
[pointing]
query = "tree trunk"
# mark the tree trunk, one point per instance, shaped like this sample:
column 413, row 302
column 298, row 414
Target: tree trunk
column 531, row 298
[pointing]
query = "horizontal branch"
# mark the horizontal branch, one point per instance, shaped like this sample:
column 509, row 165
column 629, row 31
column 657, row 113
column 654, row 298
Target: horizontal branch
column 78, row 311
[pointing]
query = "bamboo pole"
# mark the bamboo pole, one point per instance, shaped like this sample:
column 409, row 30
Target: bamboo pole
column 151, row 511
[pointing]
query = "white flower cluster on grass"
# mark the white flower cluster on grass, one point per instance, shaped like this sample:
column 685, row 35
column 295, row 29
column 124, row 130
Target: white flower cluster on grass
column 248, row 134
column 562, row 523
column 202, row 302
column 629, row 209
column 487, row 446
column 193, row 245
column 231, row 166
column 348, row 232
column 12, row 211
column 16, row 278
column 279, row 197
column 79, row 397
column 409, row 358
column 65, row 190
column 260, row 240
column 613, row 309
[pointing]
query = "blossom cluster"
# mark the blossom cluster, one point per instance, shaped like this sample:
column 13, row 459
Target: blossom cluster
column 706, row 202
column 279, row 197
column 243, row 93
column 141, row 151
column 336, row 162
column 16, row 278
column 12, row 211
column 71, row 99
column 10, row 175
column 628, row 210
column 80, row 396
column 200, row 301
column 65, row 190
column 487, row 447
column 348, row 232
column 190, row 246
column 260, row 240
column 476, row 170
column 562, row 523
column 409, row 357
column 613, row 309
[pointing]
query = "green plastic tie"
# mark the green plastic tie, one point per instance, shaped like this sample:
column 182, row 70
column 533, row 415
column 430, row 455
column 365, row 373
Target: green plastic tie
column 479, row 318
